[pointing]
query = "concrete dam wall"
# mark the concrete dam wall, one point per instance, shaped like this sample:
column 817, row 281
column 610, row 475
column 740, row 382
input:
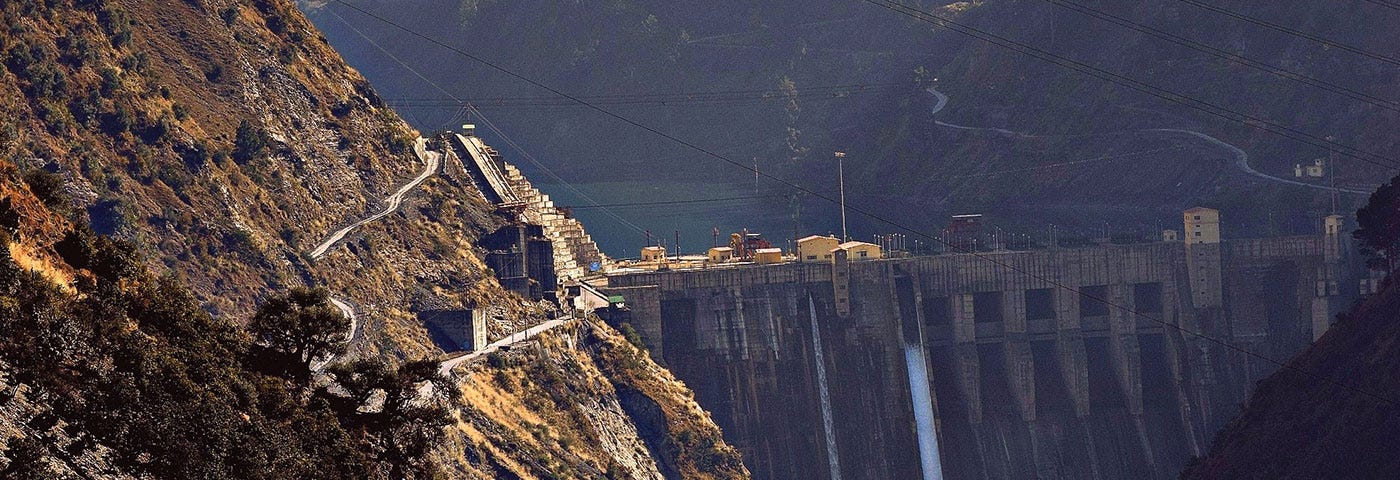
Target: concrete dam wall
column 1024, row 377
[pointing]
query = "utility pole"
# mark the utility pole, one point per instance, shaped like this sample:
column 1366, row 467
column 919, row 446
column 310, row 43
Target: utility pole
column 841, row 182
column 1332, row 177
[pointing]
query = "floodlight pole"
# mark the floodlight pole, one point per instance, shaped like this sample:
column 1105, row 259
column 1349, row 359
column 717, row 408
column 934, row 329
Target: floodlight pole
column 841, row 181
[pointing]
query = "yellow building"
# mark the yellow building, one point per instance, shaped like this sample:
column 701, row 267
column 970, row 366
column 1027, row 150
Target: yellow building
column 768, row 255
column 859, row 250
column 1202, row 225
column 653, row 254
column 816, row 248
column 721, row 254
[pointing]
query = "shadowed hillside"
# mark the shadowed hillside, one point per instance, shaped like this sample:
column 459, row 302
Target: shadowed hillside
column 1298, row 426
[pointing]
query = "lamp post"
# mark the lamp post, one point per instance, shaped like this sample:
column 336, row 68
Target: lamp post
column 841, row 182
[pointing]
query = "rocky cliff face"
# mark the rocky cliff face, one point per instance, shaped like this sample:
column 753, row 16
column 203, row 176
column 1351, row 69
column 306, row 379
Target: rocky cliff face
column 584, row 403
column 227, row 139
column 224, row 141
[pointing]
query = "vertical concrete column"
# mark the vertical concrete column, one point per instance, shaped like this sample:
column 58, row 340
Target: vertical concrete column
column 969, row 373
column 1017, row 360
column 1066, row 309
column 1013, row 311
column 1069, row 349
column 965, row 359
column 1122, row 327
column 964, row 328
column 1020, row 373
column 1074, row 369
column 841, row 282
column 1321, row 317
column 739, row 327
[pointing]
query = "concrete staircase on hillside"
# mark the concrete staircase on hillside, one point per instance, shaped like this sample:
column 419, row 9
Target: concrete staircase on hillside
column 574, row 249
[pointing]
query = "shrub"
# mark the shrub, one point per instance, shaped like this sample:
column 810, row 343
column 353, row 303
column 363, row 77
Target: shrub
column 84, row 108
column 48, row 187
column 229, row 14
column 631, row 335
column 214, row 73
column 111, row 81
column 153, row 133
column 117, row 121
column 249, row 143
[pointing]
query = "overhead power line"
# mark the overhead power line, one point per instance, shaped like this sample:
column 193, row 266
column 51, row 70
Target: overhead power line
column 1218, row 53
column 486, row 121
column 701, row 96
column 679, row 202
column 1132, row 83
column 864, row 212
column 1389, row 5
column 1298, row 33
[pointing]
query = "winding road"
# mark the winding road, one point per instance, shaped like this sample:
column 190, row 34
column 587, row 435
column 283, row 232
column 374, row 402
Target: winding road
column 432, row 161
column 1241, row 158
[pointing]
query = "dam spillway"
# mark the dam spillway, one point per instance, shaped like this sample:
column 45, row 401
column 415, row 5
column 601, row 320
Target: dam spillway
column 1028, row 375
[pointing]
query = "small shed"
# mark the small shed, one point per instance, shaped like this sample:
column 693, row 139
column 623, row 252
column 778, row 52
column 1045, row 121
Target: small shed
column 816, row 248
column 860, row 250
column 721, row 254
column 768, row 255
column 654, row 254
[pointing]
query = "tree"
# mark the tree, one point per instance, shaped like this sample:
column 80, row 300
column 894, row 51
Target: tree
column 302, row 327
column 399, row 412
column 1379, row 223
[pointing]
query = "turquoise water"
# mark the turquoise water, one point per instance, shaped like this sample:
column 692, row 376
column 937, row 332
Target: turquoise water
column 616, row 228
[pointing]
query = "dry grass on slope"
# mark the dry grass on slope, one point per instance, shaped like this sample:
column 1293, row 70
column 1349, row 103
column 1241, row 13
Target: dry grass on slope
column 583, row 403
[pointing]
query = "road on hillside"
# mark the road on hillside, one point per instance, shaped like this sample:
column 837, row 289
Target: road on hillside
column 446, row 366
column 1241, row 158
column 431, row 162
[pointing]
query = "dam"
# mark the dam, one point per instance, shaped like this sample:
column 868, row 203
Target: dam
column 1098, row 361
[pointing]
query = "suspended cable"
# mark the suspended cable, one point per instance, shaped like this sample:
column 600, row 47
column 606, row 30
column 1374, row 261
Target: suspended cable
column 1218, row 53
column 486, row 121
column 1177, row 98
column 867, row 213
column 1297, row 33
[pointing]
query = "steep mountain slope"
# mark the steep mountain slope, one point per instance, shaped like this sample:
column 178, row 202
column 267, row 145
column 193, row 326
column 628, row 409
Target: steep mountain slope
column 584, row 403
column 218, row 143
column 1298, row 426
column 110, row 372
column 1074, row 150
column 227, row 139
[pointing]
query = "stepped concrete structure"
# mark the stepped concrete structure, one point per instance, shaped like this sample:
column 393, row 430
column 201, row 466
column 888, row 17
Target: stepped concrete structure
column 574, row 249
column 1088, row 362
column 502, row 183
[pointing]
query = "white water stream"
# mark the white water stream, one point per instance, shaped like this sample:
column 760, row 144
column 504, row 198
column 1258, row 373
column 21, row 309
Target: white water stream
column 923, row 412
column 832, row 461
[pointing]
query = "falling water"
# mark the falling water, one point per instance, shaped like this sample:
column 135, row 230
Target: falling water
column 923, row 412
column 831, row 460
